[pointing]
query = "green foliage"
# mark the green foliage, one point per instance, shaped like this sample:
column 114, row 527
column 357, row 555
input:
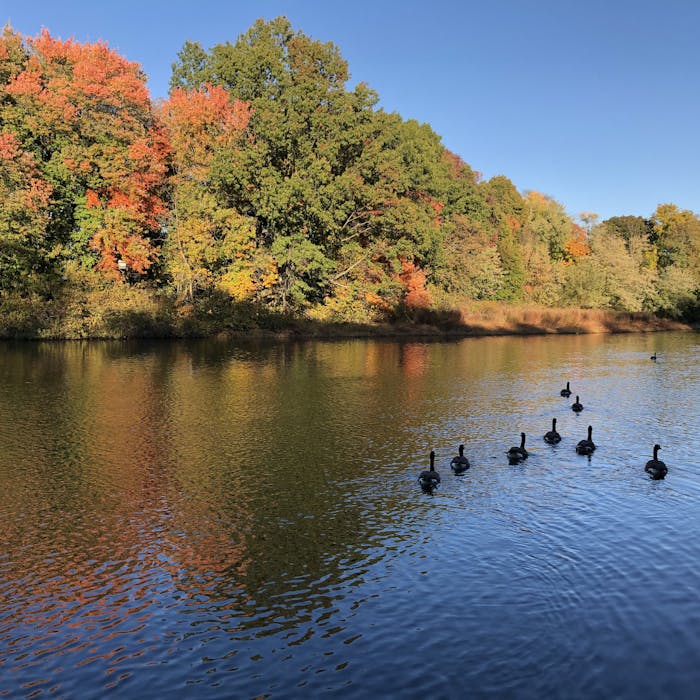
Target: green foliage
column 264, row 189
column 511, row 257
column 616, row 277
column 629, row 227
column 304, row 272
column 472, row 266
column 546, row 221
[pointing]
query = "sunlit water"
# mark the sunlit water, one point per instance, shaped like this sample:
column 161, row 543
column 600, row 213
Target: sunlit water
column 211, row 520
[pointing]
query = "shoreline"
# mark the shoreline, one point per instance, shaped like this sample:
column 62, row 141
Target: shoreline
column 387, row 331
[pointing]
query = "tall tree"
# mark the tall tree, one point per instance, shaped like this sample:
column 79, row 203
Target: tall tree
column 676, row 234
column 85, row 115
column 210, row 243
column 322, row 167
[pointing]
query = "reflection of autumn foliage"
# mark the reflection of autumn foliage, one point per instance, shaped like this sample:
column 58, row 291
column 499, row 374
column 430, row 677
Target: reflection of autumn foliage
column 414, row 360
column 103, row 549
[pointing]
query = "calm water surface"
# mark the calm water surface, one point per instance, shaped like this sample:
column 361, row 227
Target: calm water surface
column 236, row 521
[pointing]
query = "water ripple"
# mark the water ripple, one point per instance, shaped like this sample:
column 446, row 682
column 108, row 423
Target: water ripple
column 246, row 521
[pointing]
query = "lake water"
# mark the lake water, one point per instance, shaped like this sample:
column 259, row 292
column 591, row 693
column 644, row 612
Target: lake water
column 220, row 520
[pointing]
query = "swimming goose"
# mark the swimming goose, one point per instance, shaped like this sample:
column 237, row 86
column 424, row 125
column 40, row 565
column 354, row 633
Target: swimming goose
column 552, row 436
column 565, row 392
column 429, row 477
column 460, row 463
column 577, row 406
column 586, row 447
column 653, row 357
column 655, row 467
column 517, row 454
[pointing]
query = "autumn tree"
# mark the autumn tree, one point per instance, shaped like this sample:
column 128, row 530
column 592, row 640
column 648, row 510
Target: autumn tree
column 83, row 114
column 211, row 244
column 675, row 238
column 323, row 171
column 676, row 235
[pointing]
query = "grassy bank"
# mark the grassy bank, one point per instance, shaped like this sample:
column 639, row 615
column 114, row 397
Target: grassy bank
column 133, row 312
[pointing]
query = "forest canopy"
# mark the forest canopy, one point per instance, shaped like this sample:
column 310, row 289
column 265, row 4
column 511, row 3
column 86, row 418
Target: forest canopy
column 268, row 185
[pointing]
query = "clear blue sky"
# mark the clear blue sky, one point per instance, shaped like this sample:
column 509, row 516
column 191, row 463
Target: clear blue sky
column 593, row 102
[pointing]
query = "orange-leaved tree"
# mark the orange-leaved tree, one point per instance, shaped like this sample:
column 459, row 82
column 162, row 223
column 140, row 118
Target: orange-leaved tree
column 84, row 114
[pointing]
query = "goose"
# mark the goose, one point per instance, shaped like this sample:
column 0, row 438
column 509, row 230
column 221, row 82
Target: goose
column 655, row 467
column 565, row 392
column 429, row 477
column 460, row 463
column 552, row 436
column 577, row 406
column 653, row 357
column 586, row 447
column 517, row 454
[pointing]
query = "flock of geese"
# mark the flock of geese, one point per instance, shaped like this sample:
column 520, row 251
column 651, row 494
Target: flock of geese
column 430, row 478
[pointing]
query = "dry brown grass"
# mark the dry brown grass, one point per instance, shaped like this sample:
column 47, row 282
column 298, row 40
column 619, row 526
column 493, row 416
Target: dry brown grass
column 491, row 318
column 132, row 312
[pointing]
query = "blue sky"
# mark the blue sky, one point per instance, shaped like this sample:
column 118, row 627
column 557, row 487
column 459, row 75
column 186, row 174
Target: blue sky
column 592, row 102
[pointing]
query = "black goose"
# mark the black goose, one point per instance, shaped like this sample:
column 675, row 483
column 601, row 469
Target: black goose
column 460, row 463
column 653, row 357
column 586, row 447
column 655, row 467
column 429, row 478
column 577, row 406
column 552, row 436
column 518, row 454
column 565, row 392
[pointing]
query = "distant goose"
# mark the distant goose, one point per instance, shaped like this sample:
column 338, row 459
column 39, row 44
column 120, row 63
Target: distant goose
column 586, row 447
column 653, row 357
column 655, row 467
column 460, row 463
column 565, row 392
column 552, row 436
column 429, row 477
column 577, row 406
column 517, row 454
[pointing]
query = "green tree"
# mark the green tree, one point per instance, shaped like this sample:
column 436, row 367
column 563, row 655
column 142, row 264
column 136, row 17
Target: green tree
column 322, row 164
column 473, row 266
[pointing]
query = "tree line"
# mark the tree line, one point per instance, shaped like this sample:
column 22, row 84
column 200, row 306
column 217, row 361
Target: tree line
column 265, row 180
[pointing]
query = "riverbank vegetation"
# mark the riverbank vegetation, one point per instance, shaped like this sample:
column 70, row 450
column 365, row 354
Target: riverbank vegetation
column 266, row 193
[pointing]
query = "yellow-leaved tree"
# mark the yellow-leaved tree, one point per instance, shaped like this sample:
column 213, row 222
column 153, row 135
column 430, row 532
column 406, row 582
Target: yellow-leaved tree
column 211, row 244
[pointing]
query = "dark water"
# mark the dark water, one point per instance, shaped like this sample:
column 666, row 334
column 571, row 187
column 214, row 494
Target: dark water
column 219, row 521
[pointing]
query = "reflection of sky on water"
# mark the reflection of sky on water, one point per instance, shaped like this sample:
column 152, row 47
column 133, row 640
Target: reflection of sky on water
column 225, row 521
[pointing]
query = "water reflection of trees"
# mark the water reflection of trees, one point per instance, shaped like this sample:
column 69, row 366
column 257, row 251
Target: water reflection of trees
column 239, row 471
